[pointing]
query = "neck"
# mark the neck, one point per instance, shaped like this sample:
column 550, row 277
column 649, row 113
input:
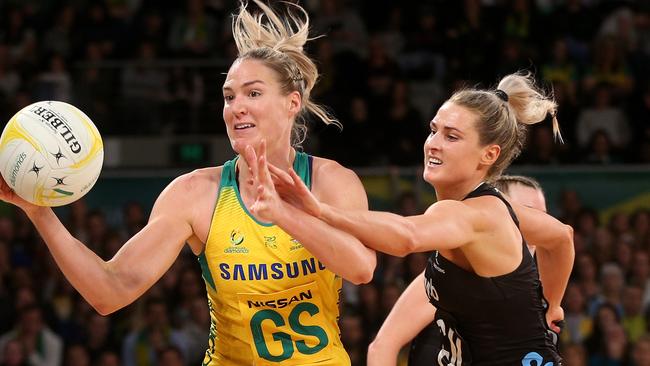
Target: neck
column 457, row 190
column 282, row 159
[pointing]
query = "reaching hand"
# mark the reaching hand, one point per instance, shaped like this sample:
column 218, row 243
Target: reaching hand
column 267, row 201
column 8, row 195
column 294, row 191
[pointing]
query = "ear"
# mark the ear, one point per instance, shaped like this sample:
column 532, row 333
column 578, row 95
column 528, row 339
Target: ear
column 295, row 103
column 490, row 154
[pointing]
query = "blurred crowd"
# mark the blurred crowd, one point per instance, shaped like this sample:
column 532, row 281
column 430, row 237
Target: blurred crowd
column 156, row 68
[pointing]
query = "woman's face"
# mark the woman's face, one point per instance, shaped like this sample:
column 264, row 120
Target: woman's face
column 452, row 151
column 255, row 107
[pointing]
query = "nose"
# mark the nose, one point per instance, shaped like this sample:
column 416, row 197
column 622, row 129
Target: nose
column 432, row 142
column 237, row 107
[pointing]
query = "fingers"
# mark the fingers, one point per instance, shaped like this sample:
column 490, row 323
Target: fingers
column 251, row 160
column 256, row 206
column 263, row 169
column 297, row 182
column 557, row 325
column 281, row 175
column 263, row 147
column 264, row 176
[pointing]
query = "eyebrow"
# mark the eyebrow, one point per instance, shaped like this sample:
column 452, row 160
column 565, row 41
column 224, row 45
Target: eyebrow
column 433, row 123
column 248, row 83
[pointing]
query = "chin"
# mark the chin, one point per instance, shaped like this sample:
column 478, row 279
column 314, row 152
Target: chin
column 430, row 177
column 437, row 177
column 239, row 144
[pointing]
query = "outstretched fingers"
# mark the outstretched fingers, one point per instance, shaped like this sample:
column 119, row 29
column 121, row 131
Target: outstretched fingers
column 279, row 176
column 310, row 203
column 264, row 176
column 297, row 182
column 251, row 160
column 258, row 206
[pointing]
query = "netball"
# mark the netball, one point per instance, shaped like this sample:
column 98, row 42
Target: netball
column 51, row 153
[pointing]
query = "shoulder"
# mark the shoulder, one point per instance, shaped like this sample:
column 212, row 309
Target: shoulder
column 334, row 183
column 482, row 213
column 488, row 212
column 197, row 181
column 328, row 169
column 184, row 198
column 190, row 187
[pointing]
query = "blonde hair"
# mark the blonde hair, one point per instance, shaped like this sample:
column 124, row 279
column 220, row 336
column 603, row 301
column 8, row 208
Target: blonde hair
column 278, row 43
column 504, row 182
column 503, row 120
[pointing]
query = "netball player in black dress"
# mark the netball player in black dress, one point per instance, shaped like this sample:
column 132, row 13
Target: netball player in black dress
column 420, row 329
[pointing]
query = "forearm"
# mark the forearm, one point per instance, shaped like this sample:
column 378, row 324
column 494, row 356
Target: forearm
column 554, row 265
column 86, row 271
column 383, row 231
column 339, row 251
column 412, row 313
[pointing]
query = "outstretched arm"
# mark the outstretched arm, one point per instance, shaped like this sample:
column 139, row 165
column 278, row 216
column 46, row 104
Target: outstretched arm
column 411, row 313
column 111, row 285
column 445, row 225
column 339, row 251
column 555, row 254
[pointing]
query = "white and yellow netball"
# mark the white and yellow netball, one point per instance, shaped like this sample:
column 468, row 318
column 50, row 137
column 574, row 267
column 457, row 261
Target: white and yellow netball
column 51, row 153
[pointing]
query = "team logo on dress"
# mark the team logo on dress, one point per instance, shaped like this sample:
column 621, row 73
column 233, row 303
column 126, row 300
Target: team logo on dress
column 295, row 245
column 436, row 264
column 236, row 237
column 270, row 242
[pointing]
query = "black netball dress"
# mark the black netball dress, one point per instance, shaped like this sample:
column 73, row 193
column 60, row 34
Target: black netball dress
column 489, row 320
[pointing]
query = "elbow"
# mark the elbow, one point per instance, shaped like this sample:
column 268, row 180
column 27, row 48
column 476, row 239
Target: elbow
column 382, row 350
column 568, row 237
column 365, row 271
column 362, row 277
column 569, row 233
column 104, row 311
column 104, row 308
column 373, row 351
column 106, row 302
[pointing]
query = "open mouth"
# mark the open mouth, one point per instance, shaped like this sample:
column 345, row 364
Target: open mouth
column 244, row 126
column 434, row 162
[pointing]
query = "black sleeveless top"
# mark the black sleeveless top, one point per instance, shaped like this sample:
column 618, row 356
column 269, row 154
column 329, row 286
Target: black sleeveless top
column 489, row 320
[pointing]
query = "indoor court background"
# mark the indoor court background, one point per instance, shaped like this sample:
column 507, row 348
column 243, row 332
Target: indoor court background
column 149, row 74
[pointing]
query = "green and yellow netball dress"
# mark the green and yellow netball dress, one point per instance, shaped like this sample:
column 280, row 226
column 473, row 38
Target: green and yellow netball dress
column 271, row 302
